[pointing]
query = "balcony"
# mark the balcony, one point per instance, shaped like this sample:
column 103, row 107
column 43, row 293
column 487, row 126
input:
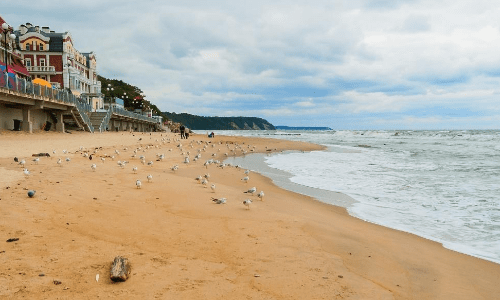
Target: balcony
column 40, row 70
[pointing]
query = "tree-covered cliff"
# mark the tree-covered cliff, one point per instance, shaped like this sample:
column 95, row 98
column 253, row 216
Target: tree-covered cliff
column 219, row 123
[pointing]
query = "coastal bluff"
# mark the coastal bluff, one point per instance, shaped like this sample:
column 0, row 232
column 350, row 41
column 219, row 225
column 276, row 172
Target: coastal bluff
column 195, row 122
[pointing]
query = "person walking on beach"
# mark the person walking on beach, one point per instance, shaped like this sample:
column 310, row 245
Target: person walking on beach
column 182, row 129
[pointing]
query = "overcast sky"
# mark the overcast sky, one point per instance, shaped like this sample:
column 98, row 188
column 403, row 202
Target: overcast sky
column 353, row 64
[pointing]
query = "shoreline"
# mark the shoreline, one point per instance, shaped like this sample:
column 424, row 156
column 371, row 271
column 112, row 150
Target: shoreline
column 282, row 179
column 181, row 245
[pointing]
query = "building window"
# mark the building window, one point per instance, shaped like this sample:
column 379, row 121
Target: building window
column 41, row 47
column 42, row 62
column 27, row 47
column 27, row 62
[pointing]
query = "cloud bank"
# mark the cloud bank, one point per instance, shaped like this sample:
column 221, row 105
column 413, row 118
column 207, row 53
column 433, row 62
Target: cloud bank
column 344, row 64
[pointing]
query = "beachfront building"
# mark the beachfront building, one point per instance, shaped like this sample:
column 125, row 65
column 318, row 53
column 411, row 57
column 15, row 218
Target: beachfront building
column 10, row 56
column 52, row 56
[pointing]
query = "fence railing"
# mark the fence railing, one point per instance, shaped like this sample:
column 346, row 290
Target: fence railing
column 23, row 86
column 126, row 113
column 105, row 121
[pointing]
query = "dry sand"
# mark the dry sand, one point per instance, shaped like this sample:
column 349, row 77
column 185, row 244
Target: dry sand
column 183, row 246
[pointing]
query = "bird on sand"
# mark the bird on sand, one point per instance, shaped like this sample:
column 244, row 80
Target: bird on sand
column 213, row 188
column 138, row 183
column 150, row 178
column 261, row 195
column 245, row 179
column 247, row 203
column 36, row 160
column 251, row 191
column 150, row 163
column 134, row 169
column 219, row 201
column 26, row 172
column 59, row 162
column 68, row 159
column 22, row 162
column 93, row 167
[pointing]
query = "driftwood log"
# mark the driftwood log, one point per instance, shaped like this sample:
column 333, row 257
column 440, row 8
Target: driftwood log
column 120, row 270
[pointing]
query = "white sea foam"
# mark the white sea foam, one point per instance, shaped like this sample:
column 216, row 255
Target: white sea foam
column 443, row 185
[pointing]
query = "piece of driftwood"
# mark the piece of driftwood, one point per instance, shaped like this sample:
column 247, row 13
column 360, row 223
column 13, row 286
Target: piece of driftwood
column 120, row 270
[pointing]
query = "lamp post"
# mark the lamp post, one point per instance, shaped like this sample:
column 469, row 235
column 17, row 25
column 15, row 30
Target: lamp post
column 6, row 29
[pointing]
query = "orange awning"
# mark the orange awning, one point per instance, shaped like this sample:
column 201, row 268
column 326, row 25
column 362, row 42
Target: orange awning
column 40, row 81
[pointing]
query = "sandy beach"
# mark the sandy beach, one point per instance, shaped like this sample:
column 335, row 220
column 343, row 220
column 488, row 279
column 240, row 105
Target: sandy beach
column 181, row 245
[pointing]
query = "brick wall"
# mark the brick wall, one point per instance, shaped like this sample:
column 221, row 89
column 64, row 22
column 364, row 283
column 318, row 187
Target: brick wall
column 56, row 61
column 57, row 78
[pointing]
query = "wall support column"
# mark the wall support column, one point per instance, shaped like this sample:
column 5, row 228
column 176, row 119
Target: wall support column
column 27, row 125
column 60, row 124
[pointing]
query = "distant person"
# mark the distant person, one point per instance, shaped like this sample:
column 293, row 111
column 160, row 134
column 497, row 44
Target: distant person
column 182, row 129
column 186, row 134
column 211, row 135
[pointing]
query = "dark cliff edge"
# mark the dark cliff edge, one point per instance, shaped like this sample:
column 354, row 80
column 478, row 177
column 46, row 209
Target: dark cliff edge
column 194, row 122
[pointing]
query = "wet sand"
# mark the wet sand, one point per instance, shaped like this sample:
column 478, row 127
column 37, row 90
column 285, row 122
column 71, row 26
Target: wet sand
column 183, row 246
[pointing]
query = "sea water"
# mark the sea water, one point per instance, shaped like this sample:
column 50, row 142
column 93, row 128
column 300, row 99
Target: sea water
column 441, row 185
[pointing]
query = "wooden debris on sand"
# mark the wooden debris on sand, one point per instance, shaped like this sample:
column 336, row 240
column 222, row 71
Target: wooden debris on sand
column 120, row 270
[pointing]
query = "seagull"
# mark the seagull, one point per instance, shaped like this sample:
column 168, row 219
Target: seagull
column 150, row 163
column 213, row 187
column 68, row 159
column 65, row 151
column 204, row 182
column 247, row 203
column 22, row 162
column 26, row 172
column 245, row 179
column 102, row 159
column 247, row 172
column 261, row 195
column 207, row 176
column 134, row 169
column 36, row 160
column 219, row 201
column 186, row 160
column 59, row 162
column 251, row 191
column 150, row 177
column 138, row 183
column 175, row 168
column 93, row 167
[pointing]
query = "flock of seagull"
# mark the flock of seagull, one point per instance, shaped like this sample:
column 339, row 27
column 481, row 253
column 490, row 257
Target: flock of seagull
column 203, row 180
